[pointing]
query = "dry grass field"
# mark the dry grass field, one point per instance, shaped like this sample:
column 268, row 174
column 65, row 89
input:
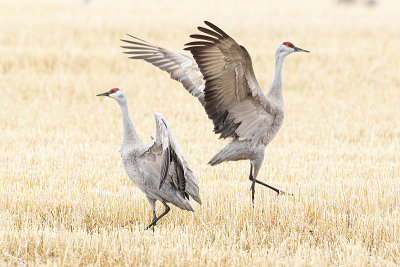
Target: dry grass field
column 66, row 200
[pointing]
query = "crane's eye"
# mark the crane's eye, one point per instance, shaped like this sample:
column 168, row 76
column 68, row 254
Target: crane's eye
column 288, row 44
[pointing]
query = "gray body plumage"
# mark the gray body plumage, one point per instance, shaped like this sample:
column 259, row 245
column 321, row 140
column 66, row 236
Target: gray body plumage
column 143, row 167
column 221, row 76
column 148, row 164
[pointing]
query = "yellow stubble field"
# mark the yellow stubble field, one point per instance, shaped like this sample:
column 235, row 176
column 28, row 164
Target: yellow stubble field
column 66, row 200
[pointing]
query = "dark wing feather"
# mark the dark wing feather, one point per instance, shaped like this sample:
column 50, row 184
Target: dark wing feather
column 174, row 168
column 230, row 79
column 180, row 181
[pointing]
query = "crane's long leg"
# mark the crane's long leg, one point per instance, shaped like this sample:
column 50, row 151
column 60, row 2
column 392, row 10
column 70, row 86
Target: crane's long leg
column 167, row 209
column 153, row 208
column 154, row 217
column 254, row 181
column 253, row 184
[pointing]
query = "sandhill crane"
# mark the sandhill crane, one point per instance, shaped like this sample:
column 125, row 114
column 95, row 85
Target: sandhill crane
column 158, row 168
column 221, row 76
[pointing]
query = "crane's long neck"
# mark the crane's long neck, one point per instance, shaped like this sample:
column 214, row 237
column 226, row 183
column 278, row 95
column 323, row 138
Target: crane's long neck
column 130, row 136
column 276, row 88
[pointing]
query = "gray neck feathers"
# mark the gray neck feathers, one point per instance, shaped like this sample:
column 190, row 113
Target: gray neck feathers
column 130, row 136
column 276, row 88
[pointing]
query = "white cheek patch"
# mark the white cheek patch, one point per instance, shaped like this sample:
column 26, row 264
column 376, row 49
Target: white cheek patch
column 113, row 95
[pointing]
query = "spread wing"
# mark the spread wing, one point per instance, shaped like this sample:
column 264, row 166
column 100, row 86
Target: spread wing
column 174, row 167
column 181, row 67
column 233, row 98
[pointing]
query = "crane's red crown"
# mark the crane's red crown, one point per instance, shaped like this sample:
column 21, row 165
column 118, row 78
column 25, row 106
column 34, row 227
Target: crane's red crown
column 112, row 91
column 289, row 44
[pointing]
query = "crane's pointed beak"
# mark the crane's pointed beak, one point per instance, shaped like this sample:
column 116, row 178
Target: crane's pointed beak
column 104, row 94
column 298, row 49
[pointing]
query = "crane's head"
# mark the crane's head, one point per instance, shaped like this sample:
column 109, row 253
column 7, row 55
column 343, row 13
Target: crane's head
column 117, row 94
column 287, row 48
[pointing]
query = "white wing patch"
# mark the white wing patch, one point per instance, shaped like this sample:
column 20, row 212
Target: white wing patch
column 181, row 67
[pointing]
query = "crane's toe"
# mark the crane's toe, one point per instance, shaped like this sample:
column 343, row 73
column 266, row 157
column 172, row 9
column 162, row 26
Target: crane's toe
column 284, row 193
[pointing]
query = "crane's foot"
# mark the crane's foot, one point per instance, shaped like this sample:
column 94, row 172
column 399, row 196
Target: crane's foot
column 280, row 192
column 150, row 225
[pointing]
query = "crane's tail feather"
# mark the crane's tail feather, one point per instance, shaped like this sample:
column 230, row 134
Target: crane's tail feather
column 220, row 157
column 192, row 188
column 188, row 206
column 214, row 161
column 233, row 151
